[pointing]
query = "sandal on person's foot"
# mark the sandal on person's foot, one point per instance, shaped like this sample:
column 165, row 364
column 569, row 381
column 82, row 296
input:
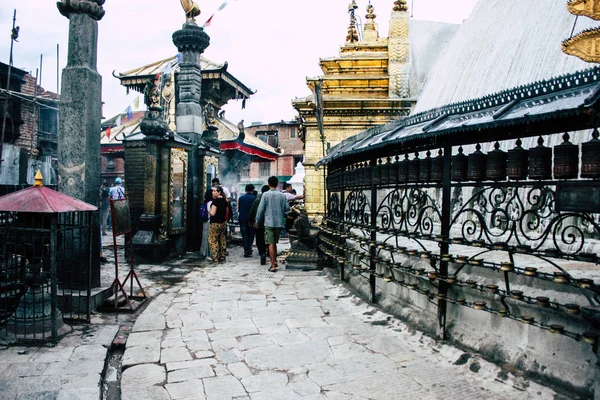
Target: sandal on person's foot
column 273, row 268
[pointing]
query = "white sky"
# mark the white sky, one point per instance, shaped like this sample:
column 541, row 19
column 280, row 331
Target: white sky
column 271, row 45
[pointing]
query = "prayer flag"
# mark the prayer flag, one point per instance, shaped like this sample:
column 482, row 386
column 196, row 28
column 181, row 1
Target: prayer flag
column 129, row 113
column 108, row 133
column 222, row 6
column 208, row 21
column 118, row 122
column 136, row 102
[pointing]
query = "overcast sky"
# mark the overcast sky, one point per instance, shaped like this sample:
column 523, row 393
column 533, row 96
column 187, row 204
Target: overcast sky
column 271, row 45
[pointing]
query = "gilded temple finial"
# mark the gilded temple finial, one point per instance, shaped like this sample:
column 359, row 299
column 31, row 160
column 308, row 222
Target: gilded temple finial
column 192, row 10
column 39, row 179
column 400, row 5
column 370, row 13
column 370, row 30
column 352, row 35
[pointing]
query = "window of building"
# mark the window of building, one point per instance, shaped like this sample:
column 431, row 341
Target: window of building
column 293, row 132
column 48, row 123
column 297, row 159
column 264, row 168
column 245, row 172
column 269, row 137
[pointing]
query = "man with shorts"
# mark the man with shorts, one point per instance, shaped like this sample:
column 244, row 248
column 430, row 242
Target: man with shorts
column 273, row 206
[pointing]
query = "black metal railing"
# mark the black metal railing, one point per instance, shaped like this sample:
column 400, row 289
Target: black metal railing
column 462, row 229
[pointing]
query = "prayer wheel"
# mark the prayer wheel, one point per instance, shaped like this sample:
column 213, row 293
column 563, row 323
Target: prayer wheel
column 437, row 167
column 566, row 159
column 377, row 172
column 517, row 162
column 403, row 170
column 394, row 171
column 385, row 171
column 476, row 165
column 496, row 164
column 540, row 161
column 458, row 171
column 414, row 169
column 425, row 168
column 590, row 157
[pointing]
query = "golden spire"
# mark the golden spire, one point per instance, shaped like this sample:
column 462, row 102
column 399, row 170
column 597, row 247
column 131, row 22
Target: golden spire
column 370, row 13
column 400, row 5
column 352, row 33
column 370, row 32
column 39, row 179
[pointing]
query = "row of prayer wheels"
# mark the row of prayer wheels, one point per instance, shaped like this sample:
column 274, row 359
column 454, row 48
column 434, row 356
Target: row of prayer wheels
column 537, row 163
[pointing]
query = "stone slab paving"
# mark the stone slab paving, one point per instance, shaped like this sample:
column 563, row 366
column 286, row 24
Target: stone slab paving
column 71, row 369
column 235, row 331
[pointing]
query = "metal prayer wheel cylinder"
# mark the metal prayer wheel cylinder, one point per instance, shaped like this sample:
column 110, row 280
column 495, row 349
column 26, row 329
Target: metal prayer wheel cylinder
column 394, row 171
column 425, row 169
column 540, row 161
column 385, row 172
column 349, row 176
column 566, row 159
column 377, row 172
column 476, row 165
column 517, row 160
column 496, row 164
column 403, row 170
column 458, row 172
column 414, row 167
column 366, row 175
column 590, row 157
column 437, row 167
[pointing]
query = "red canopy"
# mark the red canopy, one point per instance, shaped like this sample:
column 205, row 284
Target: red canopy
column 41, row 199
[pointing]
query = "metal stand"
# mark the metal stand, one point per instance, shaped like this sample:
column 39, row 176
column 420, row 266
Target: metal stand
column 121, row 225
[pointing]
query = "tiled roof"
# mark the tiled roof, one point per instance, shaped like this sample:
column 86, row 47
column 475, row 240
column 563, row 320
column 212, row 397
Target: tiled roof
column 171, row 62
column 228, row 132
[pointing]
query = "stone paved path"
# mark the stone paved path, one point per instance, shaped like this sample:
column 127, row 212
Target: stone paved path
column 235, row 331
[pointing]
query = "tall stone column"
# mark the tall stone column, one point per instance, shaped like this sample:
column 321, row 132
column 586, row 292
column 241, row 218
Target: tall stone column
column 80, row 103
column 191, row 41
column 80, row 115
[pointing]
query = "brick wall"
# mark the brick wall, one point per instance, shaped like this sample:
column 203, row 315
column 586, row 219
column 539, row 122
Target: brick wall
column 284, row 166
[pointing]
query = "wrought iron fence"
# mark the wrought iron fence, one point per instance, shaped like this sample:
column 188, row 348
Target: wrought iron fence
column 409, row 220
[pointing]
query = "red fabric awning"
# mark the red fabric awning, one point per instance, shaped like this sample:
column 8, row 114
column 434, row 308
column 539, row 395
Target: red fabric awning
column 244, row 148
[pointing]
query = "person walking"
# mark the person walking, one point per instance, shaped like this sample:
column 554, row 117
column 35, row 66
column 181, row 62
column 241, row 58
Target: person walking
column 104, row 206
column 260, row 229
column 244, row 205
column 272, row 208
column 217, row 239
column 117, row 192
column 204, row 248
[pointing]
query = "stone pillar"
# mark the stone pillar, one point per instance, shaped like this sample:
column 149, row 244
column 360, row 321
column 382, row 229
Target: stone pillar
column 80, row 114
column 191, row 41
column 80, row 104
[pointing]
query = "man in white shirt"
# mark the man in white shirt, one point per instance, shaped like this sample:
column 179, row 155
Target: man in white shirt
column 287, row 190
column 117, row 192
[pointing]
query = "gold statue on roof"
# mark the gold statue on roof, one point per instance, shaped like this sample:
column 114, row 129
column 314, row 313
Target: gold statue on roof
column 192, row 10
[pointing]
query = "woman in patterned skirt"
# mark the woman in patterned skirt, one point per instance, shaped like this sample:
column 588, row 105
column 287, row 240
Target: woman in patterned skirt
column 217, row 239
